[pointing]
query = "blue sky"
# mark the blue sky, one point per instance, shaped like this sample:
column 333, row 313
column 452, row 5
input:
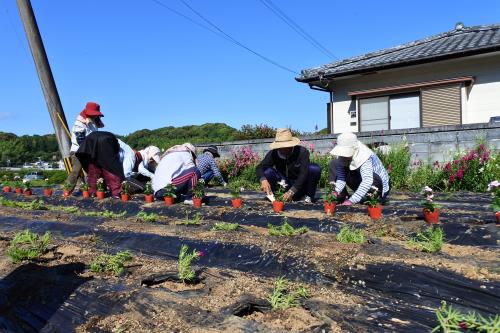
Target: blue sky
column 150, row 68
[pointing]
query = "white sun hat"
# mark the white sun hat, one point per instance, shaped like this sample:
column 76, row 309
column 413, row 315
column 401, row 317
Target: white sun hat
column 346, row 145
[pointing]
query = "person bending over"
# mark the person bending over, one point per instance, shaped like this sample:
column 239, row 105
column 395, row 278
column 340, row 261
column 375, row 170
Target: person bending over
column 357, row 167
column 289, row 161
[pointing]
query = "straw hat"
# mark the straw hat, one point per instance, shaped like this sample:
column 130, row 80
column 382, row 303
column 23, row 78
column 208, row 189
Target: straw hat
column 284, row 139
column 346, row 145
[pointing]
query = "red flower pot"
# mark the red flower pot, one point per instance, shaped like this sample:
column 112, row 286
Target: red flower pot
column 431, row 217
column 19, row 190
column 100, row 195
column 278, row 206
column 169, row 201
column 125, row 197
column 6, row 189
column 498, row 218
column 197, row 202
column 149, row 198
column 86, row 194
column 66, row 193
column 236, row 202
column 329, row 208
column 28, row 193
column 375, row 212
column 47, row 192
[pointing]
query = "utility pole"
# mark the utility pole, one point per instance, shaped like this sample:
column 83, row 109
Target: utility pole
column 46, row 80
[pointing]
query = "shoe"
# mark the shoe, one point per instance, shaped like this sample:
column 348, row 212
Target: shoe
column 307, row 199
column 188, row 202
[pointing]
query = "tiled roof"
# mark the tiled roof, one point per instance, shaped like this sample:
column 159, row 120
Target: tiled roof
column 461, row 41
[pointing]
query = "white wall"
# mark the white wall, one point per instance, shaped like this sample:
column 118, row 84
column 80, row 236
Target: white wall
column 481, row 102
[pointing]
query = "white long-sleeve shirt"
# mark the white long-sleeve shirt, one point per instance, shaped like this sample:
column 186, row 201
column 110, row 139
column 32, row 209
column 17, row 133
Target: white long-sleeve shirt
column 127, row 157
column 172, row 166
column 143, row 167
column 80, row 130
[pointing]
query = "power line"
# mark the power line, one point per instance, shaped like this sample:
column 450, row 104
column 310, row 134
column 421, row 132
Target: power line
column 292, row 24
column 221, row 33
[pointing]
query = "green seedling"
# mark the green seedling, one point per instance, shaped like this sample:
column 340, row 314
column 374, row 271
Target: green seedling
column 186, row 272
column 451, row 320
column 27, row 245
column 32, row 205
column 223, row 226
column 286, row 229
column 70, row 209
column 430, row 240
column 196, row 220
column 349, row 234
column 283, row 298
column 143, row 216
column 111, row 263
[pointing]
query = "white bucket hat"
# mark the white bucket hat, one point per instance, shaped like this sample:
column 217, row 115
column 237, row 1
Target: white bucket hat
column 346, row 145
column 284, row 139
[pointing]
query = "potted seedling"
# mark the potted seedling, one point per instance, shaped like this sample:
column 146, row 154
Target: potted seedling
column 374, row 207
column 148, row 192
column 6, row 185
column 47, row 188
column 27, row 188
column 494, row 188
column 169, row 194
column 101, row 188
column 330, row 199
column 431, row 209
column 85, row 190
column 198, row 192
column 278, row 203
column 18, row 185
column 67, row 187
column 236, row 195
column 125, row 195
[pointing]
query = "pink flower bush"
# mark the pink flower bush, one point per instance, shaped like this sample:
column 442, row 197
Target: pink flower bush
column 467, row 172
column 240, row 159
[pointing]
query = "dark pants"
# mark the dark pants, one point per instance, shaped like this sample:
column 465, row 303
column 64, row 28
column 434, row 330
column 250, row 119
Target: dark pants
column 184, row 186
column 353, row 180
column 273, row 177
column 207, row 176
column 114, row 182
column 75, row 171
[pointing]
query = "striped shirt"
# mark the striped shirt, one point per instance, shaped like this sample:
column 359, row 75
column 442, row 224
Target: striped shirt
column 205, row 163
column 372, row 165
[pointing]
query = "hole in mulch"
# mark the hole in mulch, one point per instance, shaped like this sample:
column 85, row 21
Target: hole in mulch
column 246, row 306
column 170, row 276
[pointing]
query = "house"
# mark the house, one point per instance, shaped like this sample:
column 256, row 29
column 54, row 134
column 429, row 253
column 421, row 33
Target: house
column 449, row 79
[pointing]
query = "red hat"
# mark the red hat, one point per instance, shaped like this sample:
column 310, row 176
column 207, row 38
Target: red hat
column 92, row 110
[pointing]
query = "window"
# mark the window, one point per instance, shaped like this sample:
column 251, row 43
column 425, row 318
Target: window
column 390, row 112
column 405, row 111
column 374, row 114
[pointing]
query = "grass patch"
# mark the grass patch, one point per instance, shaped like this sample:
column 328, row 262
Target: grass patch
column 285, row 229
column 27, row 245
column 223, row 226
column 195, row 220
column 106, row 214
column 143, row 216
column 111, row 263
column 349, row 234
column 283, row 298
column 429, row 240
column 70, row 209
column 452, row 320
column 36, row 204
